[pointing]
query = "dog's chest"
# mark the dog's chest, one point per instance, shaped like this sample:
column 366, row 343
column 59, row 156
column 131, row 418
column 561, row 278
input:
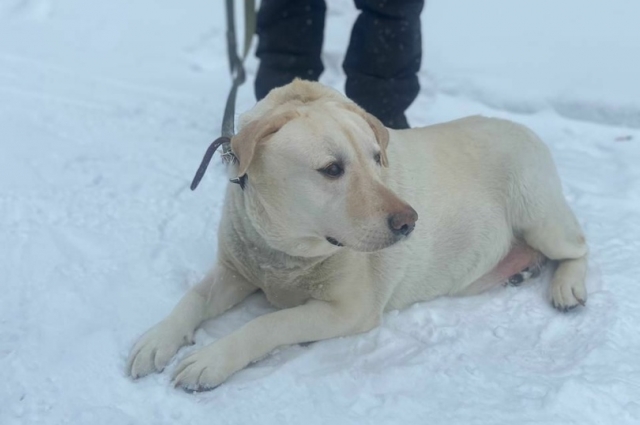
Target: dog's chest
column 286, row 281
column 283, row 294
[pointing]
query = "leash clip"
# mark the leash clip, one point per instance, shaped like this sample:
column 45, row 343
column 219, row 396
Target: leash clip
column 238, row 76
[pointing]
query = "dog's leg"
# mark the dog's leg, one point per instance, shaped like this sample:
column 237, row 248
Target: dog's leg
column 562, row 240
column 315, row 320
column 220, row 290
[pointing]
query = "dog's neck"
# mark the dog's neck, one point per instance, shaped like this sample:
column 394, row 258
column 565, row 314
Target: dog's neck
column 251, row 252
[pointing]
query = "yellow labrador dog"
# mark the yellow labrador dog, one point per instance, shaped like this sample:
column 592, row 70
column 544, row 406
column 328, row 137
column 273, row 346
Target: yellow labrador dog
column 325, row 223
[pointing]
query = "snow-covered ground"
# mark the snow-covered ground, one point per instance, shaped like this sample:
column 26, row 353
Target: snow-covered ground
column 105, row 110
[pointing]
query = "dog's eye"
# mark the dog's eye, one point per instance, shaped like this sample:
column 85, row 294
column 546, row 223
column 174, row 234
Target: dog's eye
column 377, row 158
column 333, row 170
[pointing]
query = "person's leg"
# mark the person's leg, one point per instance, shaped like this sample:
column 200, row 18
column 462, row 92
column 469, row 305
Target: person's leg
column 383, row 58
column 290, row 42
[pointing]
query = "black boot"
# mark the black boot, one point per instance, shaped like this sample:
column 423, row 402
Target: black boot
column 383, row 58
column 290, row 42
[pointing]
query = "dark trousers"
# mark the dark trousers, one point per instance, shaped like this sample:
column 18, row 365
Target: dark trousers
column 382, row 60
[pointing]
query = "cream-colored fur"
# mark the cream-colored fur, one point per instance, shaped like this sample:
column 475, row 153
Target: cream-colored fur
column 479, row 186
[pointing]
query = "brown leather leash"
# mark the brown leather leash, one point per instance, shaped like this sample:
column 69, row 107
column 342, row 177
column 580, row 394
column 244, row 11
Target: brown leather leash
column 236, row 68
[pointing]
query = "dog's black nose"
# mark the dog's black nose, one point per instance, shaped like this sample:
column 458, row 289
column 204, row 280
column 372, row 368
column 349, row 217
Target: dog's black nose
column 403, row 223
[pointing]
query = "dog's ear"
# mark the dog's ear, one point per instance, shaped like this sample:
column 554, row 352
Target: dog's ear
column 244, row 143
column 379, row 130
column 382, row 135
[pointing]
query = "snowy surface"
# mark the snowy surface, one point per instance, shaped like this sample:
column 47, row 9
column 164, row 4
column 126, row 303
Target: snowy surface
column 105, row 110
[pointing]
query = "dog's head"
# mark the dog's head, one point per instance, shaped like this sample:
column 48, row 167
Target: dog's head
column 314, row 162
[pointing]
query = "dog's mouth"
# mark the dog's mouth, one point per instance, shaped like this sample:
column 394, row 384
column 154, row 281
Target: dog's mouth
column 333, row 241
column 368, row 247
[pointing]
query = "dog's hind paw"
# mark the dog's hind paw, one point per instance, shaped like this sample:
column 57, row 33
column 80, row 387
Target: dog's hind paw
column 568, row 289
column 566, row 299
column 526, row 274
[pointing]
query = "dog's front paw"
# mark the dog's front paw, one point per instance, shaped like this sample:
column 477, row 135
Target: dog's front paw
column 206, row 368
column 156, row 348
